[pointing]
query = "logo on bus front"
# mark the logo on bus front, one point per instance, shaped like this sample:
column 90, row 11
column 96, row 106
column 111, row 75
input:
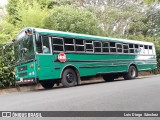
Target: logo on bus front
column 62, row 57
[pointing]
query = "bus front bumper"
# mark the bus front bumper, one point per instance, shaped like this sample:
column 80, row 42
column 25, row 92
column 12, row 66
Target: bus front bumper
column 27, row 81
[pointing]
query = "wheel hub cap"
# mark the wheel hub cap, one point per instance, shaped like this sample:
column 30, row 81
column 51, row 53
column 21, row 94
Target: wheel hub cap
column 69, row 77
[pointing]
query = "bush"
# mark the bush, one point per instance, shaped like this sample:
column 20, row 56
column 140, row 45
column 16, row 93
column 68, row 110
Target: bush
column 7, row 75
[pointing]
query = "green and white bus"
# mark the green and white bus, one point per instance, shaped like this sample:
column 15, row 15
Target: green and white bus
column 49, row 57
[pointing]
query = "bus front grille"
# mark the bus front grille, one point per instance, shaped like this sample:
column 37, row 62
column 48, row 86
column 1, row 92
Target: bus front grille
column 22, row 74
column 22, row 68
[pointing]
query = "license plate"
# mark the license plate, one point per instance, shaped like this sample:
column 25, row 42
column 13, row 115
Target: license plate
column 21, row 79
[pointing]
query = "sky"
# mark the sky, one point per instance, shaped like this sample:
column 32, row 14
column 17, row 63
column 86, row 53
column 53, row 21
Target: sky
column 3, row 2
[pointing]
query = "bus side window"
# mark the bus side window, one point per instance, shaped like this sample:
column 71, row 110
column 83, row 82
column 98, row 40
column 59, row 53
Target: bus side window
column 79, row 44
column 141, row 49
column 89, row 46
column 136, row 50
column 131, row 48
column 69, row 44
column 146, row 51
column 57, row 44
column 46, row 45
column 97, row 46
column 105, row 47
column 112, row 47
column 125, row 48
column 119, row 47
column 39, row 45
column 150, row 50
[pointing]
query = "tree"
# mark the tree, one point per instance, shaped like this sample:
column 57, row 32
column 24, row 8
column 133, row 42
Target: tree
column 22, row 13
column 12, row 11
column 7, row 32
column 151, row 1
column 31, row 15
column 140, row 25
column 70, row 18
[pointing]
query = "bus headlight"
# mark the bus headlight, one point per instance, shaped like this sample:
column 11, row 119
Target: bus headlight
column 32, row 73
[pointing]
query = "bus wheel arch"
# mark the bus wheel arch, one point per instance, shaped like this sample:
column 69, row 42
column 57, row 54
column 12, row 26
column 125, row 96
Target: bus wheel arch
column 73, row 72
column 132, row 72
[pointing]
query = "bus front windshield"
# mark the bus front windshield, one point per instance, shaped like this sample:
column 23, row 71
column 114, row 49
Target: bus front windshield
column 24, row 48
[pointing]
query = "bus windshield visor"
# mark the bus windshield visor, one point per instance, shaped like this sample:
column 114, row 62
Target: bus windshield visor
column 24, row 49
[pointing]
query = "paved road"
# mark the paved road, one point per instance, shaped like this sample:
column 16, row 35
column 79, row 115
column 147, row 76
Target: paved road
column 122, row 95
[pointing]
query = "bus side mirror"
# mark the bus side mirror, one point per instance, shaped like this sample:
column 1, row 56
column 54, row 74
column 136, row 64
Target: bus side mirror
column 37, row 37
column 24, row 50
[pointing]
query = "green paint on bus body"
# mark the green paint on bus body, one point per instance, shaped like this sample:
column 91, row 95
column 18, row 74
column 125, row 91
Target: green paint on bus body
column 47, row 66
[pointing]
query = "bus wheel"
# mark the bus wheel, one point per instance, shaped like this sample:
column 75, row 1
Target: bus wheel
column 131, row 74
column 108, row 78
column 69, row 78
column 48, row 84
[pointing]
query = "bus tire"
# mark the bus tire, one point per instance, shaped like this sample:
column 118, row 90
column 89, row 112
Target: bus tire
column 69, row 78
column 108, row 78
column 131, row 74
column 48, row 84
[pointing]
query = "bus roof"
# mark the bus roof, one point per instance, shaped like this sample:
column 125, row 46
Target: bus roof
column 91, row 37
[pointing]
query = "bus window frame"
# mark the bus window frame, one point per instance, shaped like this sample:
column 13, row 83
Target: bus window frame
column 131, row 48
column 48, row 42
column 79, row 45
column 41, row 40
column 103, row 42
column 141, row 48
column 125, row 44
column 97, row 47
column 57, row 44
column 89, row 44
column 112, row 47
column 151, row 50
column 66, row 44
column 119, row 48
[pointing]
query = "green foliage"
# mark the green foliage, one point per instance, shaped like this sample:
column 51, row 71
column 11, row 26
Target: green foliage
column 52, row 3
column 25, row 13
column 70, row 18
column 12, row 11
column 7, row 32
column 150, row 1
column 31, row 15
column 6, row 66
column 140, row 24
column 127, row 20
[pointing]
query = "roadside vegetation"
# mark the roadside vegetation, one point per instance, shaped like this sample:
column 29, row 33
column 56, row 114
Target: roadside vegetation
column 134, row 19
